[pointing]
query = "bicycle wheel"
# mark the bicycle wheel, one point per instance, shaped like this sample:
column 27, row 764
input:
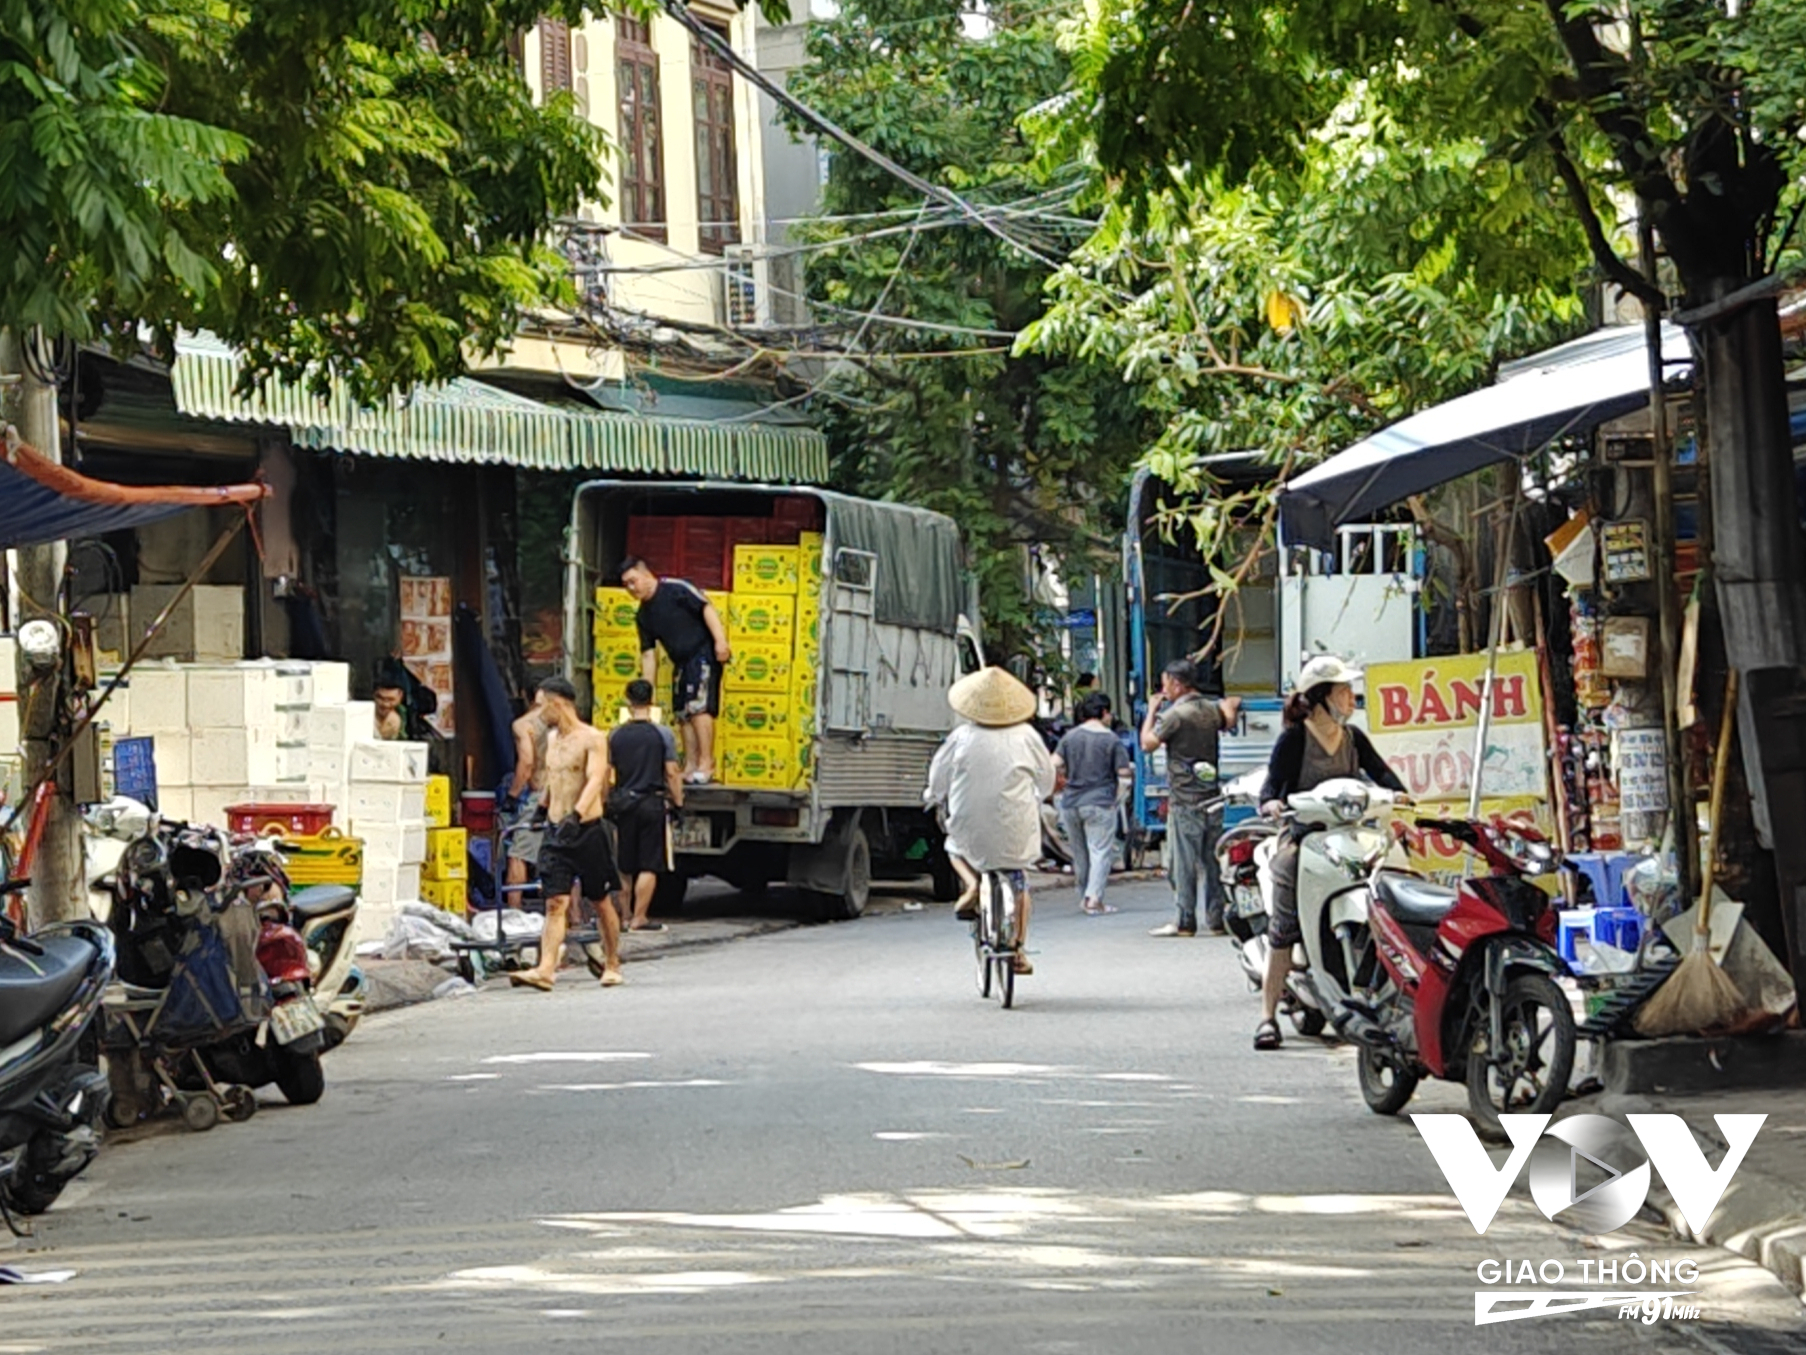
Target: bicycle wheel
column 1003, row 931
column 1006, row 978
column 984, row 960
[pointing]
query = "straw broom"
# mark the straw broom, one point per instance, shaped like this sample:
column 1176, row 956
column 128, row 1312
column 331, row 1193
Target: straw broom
column 1699, row 995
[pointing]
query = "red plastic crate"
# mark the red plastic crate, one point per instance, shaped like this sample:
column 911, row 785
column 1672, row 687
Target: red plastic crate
column 704, row 544
column 797, row 513
column 279, row 820
column 655, row 540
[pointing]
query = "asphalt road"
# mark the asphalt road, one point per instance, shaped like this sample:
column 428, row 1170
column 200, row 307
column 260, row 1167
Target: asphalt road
column 821, row 1140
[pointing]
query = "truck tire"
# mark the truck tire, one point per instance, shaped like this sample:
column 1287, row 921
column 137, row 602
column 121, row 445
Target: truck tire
column 668, row 893
column 846, row 906
column 945, row 879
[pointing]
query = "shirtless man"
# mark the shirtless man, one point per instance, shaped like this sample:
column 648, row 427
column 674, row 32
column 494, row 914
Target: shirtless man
column 577, row 852
column 528, row 791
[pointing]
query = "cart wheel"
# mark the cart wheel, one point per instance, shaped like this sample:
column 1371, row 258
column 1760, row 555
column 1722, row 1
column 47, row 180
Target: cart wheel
column 466, row 970
column 199, row 1113
column 241, row 1103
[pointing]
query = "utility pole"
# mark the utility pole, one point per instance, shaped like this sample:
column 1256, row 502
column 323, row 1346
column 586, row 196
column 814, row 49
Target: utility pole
column 58, row 889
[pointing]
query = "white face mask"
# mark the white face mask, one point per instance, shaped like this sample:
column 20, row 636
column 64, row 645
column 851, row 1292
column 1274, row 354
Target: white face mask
column 1340, row 716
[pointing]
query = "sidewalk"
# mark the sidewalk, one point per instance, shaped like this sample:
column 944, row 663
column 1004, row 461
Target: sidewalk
column 1763, row 1213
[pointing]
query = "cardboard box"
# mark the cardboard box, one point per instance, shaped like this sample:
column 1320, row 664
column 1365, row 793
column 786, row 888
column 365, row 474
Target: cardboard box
column 617, row 663
column 447, row 854
column 808, row 621
column 400, row 762
column 384, row 802
column 451, row 895
column 233, row 757
column 173, row 755
column 617, row 613
column 757, row 763
column 759, row 668
column 755, row 716
column 159, row 700
column 438, row 801
column 765, row 569
column 761, row 618
column 809, row 563
column 206, row 626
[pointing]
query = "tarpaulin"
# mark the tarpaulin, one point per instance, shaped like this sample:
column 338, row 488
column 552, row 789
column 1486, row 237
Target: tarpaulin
column 41, row 501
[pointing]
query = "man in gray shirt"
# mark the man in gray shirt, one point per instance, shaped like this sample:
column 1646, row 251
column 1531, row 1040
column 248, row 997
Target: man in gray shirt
column 1187, row 724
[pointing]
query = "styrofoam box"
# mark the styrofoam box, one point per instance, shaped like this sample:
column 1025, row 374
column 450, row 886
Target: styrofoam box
column 9, row 666
column 116, row 714
column 373, row 920
column 207, row 626
column 292, row 762
column 175, row 802
column 385, row 802
column 173, row 756
column 294, row 686
column 9, row 725
column 233, row 757
column 331, row 765
column 387, row 886
column 232, row 698
column 341, row 726
column 211, row 802
column 387, row 843
column 331, row 684
column 291, row 793
column 399, row 762
column 159, row 700
column 293, row 727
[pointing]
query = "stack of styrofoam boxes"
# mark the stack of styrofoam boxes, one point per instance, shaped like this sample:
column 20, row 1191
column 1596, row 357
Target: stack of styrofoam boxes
column 386, row 800
column 332, row 732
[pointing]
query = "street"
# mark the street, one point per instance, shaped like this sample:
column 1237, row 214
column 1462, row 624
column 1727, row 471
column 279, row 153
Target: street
column 823, row 1140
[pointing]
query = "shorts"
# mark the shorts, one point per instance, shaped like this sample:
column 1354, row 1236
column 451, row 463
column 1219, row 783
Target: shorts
column 578, row 854
column 525, row 830
column 643, row 840
column 696, row 686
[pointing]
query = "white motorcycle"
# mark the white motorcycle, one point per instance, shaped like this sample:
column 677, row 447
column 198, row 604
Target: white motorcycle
column 1343, row 838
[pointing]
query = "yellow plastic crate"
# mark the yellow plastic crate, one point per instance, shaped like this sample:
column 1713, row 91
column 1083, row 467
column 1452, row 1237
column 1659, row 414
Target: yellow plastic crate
column 759, row 668
column 451, row 895
column 617, row 612
column 765, row 569
column 447, row 854
column 757, row 763
column 438, row 801
column 617, row 663
column 757, row 716
column 809, row 564
column 804, row 690
column 330, row 858
column 762, row 618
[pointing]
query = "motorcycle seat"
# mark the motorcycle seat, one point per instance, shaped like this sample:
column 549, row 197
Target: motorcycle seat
column 34, row 988
column 1413, row 901
column 319, row 900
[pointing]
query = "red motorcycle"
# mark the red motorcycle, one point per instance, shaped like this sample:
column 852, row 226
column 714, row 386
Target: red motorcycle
column 1465, row 984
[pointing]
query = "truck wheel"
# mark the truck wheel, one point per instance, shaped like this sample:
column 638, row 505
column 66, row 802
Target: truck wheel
column 945, row 879
column 668, row 893
column 851, row 904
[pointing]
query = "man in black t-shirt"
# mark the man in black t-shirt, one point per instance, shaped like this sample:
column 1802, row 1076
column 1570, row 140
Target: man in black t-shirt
column 674, row 613
column 643, row 756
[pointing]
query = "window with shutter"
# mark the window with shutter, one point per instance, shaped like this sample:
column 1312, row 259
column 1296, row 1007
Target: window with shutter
column 554, row 55
column 717, row 170
column 642, row 146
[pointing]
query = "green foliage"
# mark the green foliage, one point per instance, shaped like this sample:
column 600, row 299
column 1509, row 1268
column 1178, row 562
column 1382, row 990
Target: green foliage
column 356, row 187
column 1028, row 452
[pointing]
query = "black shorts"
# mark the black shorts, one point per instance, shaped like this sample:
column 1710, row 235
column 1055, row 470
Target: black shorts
column 578, row 854
column 696, row 686
column 642, row 841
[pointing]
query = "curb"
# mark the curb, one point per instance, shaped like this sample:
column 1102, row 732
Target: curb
column 1762, row 1217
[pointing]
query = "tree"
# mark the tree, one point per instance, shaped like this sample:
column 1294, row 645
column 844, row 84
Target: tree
column 1027, row 452
column 1694, row 110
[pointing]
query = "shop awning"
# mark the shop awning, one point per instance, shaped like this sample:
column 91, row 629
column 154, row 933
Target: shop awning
column 469, row 421
column 1564, row 391
column 41, row 501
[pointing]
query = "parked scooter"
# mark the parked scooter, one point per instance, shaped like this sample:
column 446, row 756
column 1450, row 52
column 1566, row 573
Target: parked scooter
column 53, row 1096
column 1341, row 844
column 1244, row 906
column 1466, row 988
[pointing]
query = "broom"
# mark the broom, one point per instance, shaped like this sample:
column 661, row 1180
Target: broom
column 1699, row 995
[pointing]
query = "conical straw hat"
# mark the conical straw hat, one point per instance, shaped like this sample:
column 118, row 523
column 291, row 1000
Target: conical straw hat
column 992, row 697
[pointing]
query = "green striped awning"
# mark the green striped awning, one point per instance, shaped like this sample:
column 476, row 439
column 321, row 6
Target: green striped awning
column 467, row 421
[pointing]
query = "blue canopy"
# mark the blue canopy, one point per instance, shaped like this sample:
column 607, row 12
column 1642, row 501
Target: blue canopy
column 41, row 501
column 1566, row 390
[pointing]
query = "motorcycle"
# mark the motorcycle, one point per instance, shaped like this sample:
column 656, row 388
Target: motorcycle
column 53, row 1096
column 1466, row 987
column 1244, row 905
column 1340, row 846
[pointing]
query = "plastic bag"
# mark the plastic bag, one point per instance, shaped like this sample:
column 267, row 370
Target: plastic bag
column 416, row 938
column 516, row 925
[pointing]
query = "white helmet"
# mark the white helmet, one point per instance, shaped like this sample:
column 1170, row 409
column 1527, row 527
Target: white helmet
column 1327, row 668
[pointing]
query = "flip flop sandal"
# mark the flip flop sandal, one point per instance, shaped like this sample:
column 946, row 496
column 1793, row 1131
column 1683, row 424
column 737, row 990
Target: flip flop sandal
column 1267, row 1036
column 1099, row 910
column 648, row 927
column 611, row 978
column 530, row 980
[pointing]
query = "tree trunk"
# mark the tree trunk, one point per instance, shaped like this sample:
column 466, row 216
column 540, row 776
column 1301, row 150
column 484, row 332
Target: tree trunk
column 58, row 889
column 1756, row 551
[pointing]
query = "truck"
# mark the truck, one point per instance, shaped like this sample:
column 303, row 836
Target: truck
column 886, row 625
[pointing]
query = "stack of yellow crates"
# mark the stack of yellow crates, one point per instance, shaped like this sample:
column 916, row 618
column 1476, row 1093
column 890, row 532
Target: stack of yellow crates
column 617, row 650
column 444, row 880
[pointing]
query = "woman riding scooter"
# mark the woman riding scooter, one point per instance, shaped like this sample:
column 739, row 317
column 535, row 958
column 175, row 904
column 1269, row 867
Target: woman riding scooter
column 1318, row 745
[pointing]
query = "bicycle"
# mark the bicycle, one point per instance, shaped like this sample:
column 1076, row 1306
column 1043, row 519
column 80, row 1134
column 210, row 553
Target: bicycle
column 994, row 934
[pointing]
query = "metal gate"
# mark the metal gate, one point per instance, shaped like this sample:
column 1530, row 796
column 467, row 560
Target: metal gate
column 850, row 648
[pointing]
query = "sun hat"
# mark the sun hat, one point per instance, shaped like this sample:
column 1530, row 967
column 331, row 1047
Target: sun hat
column 1327, row 668
column 991, row 697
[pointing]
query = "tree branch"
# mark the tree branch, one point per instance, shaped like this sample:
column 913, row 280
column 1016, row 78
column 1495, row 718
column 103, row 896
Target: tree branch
column 1615, row 267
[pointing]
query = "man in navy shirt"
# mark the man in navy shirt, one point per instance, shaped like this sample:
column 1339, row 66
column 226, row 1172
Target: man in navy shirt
column 674, row 613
